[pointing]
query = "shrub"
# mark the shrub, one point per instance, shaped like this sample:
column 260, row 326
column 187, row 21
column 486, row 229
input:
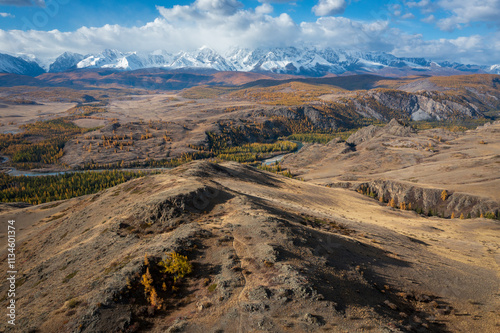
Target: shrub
column 490, row 215
column 392, row 203
column 161, row 276
column 149, row 289
column 72, row 303
column 69, row 277
column 444, row 195
column 177, row 265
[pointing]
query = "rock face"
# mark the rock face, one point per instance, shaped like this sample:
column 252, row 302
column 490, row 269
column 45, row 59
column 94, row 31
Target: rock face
column 430, row 201
column 394, row 127
column 304, row 113
column 421, row 107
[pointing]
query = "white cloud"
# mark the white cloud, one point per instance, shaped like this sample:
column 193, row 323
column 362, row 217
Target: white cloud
column 21, row 3
column 396, row 9
column 408, row 16
column 6, row 15
column 265, row 8
column 420, row 4
column 425, row 6
column 467, row 11
column 329, row 7
column 221, row 7
column 429, row 19
column 217, row 24
column 341, row 32
column 278, row 1
column 468, row 50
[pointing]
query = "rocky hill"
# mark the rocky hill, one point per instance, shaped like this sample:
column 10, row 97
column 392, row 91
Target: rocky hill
column 266, row 253
column 400, row 162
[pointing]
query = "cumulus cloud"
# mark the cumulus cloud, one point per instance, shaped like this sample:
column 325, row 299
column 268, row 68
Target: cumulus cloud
column 408, row 16
column 341, row 32
column 6, row 15
column 468, row 50
column 329, row 7
column 278, row 1
column 429, row 19
column 396, row 9
column 221, row 7
column 264, row 9
column 425, row 6
column 467, row 11
column 23, row 3
column 221, row 24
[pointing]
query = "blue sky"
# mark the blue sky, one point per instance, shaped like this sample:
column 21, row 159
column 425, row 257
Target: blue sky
column 455, row 30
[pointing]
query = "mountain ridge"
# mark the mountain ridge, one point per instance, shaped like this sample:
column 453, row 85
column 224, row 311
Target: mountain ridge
column 307, row 61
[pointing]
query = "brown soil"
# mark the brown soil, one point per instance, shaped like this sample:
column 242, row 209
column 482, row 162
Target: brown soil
column 269, row 254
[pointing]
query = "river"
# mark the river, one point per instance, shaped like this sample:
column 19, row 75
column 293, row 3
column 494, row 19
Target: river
column 278, row 158
column 15, row 172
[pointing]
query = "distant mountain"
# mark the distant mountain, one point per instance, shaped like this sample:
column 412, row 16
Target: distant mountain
column 495, row 69
column 66, row 61
column 18, row 65
column 306, row 61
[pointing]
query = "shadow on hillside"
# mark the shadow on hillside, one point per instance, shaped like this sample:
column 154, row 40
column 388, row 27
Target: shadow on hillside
column 341, row 269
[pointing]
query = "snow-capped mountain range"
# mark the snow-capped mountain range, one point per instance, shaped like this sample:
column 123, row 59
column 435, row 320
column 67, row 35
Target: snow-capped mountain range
column 288, row 60
column 19, row 65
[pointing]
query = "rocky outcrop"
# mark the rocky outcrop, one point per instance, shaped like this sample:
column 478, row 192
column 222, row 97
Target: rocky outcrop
column 420, row 107
column 430, row 201
column 394, row 128
column 317, row 118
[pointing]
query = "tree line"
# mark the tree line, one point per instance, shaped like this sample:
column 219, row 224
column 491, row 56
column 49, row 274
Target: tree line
column 41, row 189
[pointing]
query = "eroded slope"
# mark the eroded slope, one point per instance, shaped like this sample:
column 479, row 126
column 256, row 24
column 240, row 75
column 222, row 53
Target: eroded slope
column 269, row 254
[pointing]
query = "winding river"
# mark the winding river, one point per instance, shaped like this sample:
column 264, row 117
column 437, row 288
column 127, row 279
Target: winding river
column 15, row 172
column 278, row 158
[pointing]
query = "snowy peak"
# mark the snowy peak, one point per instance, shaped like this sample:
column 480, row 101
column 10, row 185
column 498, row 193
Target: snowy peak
column 18, row 65
column 495, row 69
column 287, row 60
column 308, row 61
column 202, row 58
column 125, row 61
column 105, row 59
column 65, row 61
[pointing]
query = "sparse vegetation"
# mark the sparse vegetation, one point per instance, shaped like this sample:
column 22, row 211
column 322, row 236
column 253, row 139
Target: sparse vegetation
column 276, row 168
column 444, row 195
column 164, row 276
column 178, row 266
column 73, row 303
column 69, row 277
column 313, row 137
column 41, row 143
column 392, row 203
